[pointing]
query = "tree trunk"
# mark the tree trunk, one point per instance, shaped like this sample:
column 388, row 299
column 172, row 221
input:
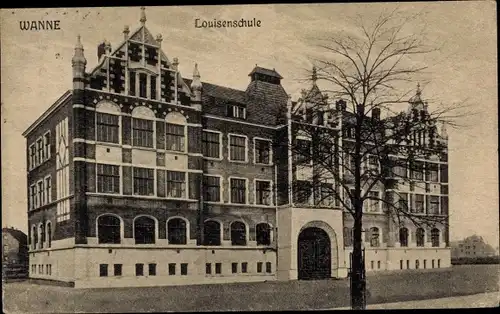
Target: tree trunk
column 358, row 285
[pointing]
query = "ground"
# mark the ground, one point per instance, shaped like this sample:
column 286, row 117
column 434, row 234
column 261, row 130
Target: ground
column 293, row 295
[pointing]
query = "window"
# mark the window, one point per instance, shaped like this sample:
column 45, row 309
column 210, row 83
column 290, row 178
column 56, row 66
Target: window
column 373, row 201
column 234, row 268
column 177, row 231
column 42, row 235
column 176, row 184
column 212, row 189
column 49, row 234
column 400, row 264
column 238, row 191
column 400, row 170
column 372, row 264
column 108, row 229
column 171, row 269
column 432, row 173
column 420, row 234
column 107, row 127
column 378, row 264
column 434, row 205
column 374, row 237
column 259, row 267
column 39, row 151
column 117, row 269
column 184, row 269
column 417, row 264
column 439, row 262
column 32, row 154
column 139, row 269
column 237, row 112
column 238, row 233
column 108, row 179
column 49, row 266
column 432, row 262
column 211, row 232
column 132, row 82
column 263, row 234
column 48, row 190
column 142, row 132
column 211, row 144
column 403, row 237
column 208, row 268
column 152, row 269
column 143, row 85
column 237, row 148
column 103, row 270
column 263, row 192
column 39, row 191
column 33, row 203
column 303, row 154
column 244, row 267
column 268, row 267
column 303, row 191
column 417, row 171
column 41, row 269
column 425, row 263
column 46, row 143
column 347, row 236
column 144, row 230
column 153, row 87
column 419, row 204
column 35, row 238
column 143, row 181
column 435, row 237
column 323, row 194
column 175, row 137
column 373, row 164
column 218, row 268
column 403, row 201
column 262, row 151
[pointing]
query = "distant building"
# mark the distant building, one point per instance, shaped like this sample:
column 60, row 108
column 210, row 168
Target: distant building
column 473, row 246
column 14, row 253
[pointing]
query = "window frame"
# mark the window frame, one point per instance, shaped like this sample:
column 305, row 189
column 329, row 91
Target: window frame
column 185, row 235
column 145, row 236
column 246, row 201
column 229, row 155
column 112, row 176
column 47, row 145
column 234, row 242
column 152, row 132
column 120, row 230
column 184, row 185
column 271, row 193
column 221, row 200
column 99, row 138
column 270, row 154
column 153, row 179
column 220, row 150
column 182, row 137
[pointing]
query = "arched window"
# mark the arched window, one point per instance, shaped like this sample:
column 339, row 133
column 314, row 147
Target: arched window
column 144, row 230
column 238, row 233
column 420, row 237
column 263, row 234
column 211, row 233
column 108, row 229
column 177, row 231
column 347, row 236
column 403, row 237
column 35, row 238
column 49, row 234
column 435, row 237
column 42, row 235
column 374, row 237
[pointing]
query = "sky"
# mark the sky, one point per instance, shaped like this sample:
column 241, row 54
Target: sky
column 36, row 71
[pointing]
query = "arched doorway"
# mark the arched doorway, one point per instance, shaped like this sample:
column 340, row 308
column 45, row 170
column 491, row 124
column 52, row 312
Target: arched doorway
column 314, row 254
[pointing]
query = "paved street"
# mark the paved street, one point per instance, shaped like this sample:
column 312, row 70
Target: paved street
column 24, row 297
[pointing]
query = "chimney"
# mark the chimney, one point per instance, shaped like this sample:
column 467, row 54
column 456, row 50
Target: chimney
column 101, row 50
column 376, row 113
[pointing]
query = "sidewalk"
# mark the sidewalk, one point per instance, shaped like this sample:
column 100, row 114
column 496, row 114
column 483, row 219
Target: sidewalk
column 491, row 299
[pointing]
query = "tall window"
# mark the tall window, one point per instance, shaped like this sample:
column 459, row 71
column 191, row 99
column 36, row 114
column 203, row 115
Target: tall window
column 434, row 205
column 403, row 237
column 435, row 237
column 49, row 235
column 142, row 132
column 211, row 233
column 35, row 237
column 263, row 234
column 175, row 137
column 153, row 86
column 303, row 154
column 108, row 229
column 420, row 234
column 33, row 204
column 374, row 237
column 432, row 172
column 419, row 203
column 263, row 192
column 238, row 233
column 177, row 231
column 373, row 201
column 39, row 191
column 212, row 188
column 108, row 178
column 46, row 143
column 238, row 191
column 143, row 85
column 176, row 184
column 39, row 150
column 132, row 82
column 144, row 230
column 403, row 201
column 42, row 235
column 347, row 236
column 418, row 170
column 32, row 157
column 237, row 148
column 143, row 181
column 211, row 144
column 107, row 127
column 262, row 152
column 48, row 190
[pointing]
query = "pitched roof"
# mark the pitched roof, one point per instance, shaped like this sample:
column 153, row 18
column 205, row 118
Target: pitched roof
column 265, row 71
column 20, row 236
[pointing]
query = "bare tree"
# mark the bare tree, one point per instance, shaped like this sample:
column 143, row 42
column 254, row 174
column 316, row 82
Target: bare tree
column 354, row 139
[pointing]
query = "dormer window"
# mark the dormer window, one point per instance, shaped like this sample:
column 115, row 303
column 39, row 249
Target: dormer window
column 237, row 112
column 143, row 85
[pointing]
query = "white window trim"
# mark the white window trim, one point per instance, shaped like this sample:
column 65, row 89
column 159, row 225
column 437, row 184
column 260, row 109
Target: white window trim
column 380, row 237
column 247, row 200
column 156, row 227
column 235, row 108
column 120, row 171
column 229, row 148
column 154, row 182
column 220, row 145
column 40, row 202
column 221, row 225
column 47, row 153
column 32, row 196
column 186, row 185
column 143, row 117
column 122, row 228
column 188, row 235
column 271, row 233
column 247, row 231
column 32, row 157
column 221, row 188
column 271, row 195
column 48, row 199
column 47, row 234
column 116, row 113
column 270, row 151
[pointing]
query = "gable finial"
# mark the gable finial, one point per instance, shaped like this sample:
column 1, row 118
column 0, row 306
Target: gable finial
column 418, row 89
column 143, row 15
